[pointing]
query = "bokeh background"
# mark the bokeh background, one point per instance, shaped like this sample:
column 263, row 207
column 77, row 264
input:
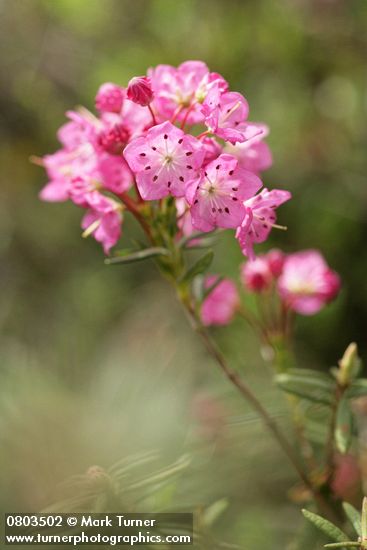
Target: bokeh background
column 97, row 362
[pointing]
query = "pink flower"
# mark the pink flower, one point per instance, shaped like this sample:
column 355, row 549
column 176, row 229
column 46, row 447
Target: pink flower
column 220, row 306
column 139, row 90
column 253, row 154
column 256, row 276
column 217, row 195
column 109, row 98
column 102, row 220
column 62, row 167
column 224, row 113
column 182, row 90
column 113, row 139
column 259, row 218
column 307, row 283
column 164, row 160
column 114, row 173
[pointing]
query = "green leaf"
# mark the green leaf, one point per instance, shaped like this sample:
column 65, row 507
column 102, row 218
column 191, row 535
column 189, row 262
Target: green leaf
column 326, row 526
column 126, row 257
column 354, row 517
column 309, row 384
column 349, row 544
column 358, row 388
column 199, row 267
column 344, row 426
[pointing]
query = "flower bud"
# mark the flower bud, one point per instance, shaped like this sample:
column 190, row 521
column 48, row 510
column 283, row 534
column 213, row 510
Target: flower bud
column 275, row 259
column 139, row 90
column 256, row 275
column 349, row 365
column 109, row 98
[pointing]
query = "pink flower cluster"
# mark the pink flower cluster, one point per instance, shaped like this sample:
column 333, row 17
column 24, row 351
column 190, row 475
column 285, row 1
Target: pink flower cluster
column 303, row 282
column 146, row 142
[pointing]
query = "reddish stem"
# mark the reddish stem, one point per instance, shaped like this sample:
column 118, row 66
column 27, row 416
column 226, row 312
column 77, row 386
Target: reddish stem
column 153, row 115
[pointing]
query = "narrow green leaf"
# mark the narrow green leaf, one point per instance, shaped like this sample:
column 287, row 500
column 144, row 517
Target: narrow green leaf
column 326, row 526
column 308, row 384
column 354, row 517
column 349, row 544
column 199, row 267
column 358, row 388
column 138, row 256
column 344, row 426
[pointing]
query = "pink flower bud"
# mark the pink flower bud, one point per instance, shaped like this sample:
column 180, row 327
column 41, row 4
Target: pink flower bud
column 109, row 98
column 139, row 90
column 256, row 275
column 275, row 259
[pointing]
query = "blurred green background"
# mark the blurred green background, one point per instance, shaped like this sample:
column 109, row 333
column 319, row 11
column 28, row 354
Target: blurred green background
column 97, row 362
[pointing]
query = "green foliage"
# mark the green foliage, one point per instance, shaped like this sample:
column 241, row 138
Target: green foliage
column 128, row 257
column 309, row 384
column 326, row 526
column 354, row 517
column 344, row 426
column 199, row 267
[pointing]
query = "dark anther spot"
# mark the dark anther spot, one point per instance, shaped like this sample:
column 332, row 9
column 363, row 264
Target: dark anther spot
column 234, row 188
column 196, row 201
column 228, row 110
column 234, row 198
column 181, row 178
column 213, row 209
column 155, row 178
column 154, row 148
column 180, row 141
column 188, row 167
column 264, row 225
column 142, row 154
column 205, row 174
column 169, row 183
column 188, row 153
column 147, row 168
column 226, row 210
column 165, row 136
column 220, row 210
column 217, row 167
column 231, row 173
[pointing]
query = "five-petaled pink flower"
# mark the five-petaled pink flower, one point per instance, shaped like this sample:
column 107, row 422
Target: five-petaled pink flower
column 164, row 160
column 259, row 218
column 217, row 196
column 307, row 283
column 181, row 91
column 225, row 113
column 220, row 306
